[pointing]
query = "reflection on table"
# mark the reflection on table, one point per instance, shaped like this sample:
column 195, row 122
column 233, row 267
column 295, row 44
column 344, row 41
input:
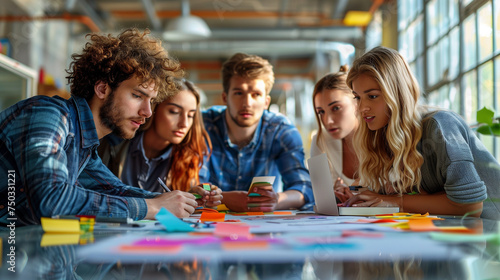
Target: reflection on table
column 300, row 246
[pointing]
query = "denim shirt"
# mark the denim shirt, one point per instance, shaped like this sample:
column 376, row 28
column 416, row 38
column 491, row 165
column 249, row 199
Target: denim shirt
column 275, row 150
column 48, row 149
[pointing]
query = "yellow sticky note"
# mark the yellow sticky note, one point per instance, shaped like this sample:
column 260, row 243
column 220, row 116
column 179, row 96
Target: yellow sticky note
column 56, row 239
column 222, row 207
column 60, row 225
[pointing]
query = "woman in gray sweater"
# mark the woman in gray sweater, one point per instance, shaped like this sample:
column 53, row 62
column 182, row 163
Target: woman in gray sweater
column 409, row 157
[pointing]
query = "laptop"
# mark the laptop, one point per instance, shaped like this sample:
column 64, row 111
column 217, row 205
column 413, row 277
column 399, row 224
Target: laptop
column 324, row 196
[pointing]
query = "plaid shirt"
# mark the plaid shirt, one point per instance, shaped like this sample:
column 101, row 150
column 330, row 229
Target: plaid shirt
column 48, row 147
column 275, row 150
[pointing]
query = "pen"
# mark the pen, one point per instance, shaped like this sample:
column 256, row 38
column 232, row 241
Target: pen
column 163, row 185
column 98, row 219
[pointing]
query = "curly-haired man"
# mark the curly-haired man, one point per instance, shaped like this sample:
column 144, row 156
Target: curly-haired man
column 48, row 159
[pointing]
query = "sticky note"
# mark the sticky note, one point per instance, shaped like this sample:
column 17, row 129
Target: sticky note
column 172, row 249
column 245, row 245
column 456, row 237
column 206, row 187
column 222, row 207
column 175, row 241
column 282, row 213
column 421, row 225
column 234, row 231
column 212, row 217
column 171, row 222
column 255, row 213
column 60, row 225
column 57, row 239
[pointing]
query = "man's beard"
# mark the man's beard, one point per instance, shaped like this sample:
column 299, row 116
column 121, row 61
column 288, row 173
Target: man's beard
column 235, row 118
column 111, row 116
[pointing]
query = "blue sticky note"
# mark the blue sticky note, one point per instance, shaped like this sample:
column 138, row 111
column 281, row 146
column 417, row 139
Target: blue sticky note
column 171, row 222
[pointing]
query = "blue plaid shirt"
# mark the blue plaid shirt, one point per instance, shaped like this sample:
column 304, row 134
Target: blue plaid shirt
column 275, row 150
column 48, row 157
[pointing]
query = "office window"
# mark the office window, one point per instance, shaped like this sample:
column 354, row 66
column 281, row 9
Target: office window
column 432, row 21
column 469, row 85
column 469, row 34
column 485, row 27
column 496, row 24
column 486, row 85
column 454, row 97
column 496, row 82
column 459, row 54
column 454, row 53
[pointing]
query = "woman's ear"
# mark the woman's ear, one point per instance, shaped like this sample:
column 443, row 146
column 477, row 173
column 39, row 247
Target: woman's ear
column 101, row 90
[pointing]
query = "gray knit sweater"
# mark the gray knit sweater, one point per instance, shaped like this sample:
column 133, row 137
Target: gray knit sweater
column 457, row 162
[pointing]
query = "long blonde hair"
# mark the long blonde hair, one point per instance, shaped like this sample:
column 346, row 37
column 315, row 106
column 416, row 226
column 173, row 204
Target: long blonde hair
column 389, row 155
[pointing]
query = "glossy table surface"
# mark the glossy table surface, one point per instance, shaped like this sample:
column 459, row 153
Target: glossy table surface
column 304, row 246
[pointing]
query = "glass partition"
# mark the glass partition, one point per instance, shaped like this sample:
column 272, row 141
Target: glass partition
column 17, row 82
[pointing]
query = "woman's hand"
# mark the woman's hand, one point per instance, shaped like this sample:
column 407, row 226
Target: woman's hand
column 342, row 191
column 210, row 198
column 369, row 199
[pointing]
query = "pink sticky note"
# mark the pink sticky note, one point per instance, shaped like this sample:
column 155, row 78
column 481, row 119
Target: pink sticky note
column 234, row 231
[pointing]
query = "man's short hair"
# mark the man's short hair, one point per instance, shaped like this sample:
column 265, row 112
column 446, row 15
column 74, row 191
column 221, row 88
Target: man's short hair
column 247, row 66
column 115, row 59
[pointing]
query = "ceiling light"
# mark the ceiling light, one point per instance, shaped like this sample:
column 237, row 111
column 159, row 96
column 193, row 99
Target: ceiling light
column 186, row 27
column 357, row 18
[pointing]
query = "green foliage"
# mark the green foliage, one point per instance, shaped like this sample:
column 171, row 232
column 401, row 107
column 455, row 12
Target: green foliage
column 488, row 124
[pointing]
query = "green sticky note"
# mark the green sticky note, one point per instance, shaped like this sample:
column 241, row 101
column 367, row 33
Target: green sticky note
column 206, row 187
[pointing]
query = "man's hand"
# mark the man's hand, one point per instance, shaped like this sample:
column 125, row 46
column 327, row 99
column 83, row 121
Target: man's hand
column 266, row 202
column 208, row 198
column 236, row 201
column 181, row 204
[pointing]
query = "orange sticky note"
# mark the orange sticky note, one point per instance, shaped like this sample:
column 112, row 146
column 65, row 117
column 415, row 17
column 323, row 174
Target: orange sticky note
column 255, row 213
column 422, row 225
column 245, row 245
column 282, row 213
column 212, row 217
column 234, row 231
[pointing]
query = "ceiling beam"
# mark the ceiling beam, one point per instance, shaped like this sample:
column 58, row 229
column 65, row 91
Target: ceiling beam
column 151, row 12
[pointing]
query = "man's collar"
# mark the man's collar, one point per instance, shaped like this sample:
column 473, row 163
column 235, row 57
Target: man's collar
column 88, row 130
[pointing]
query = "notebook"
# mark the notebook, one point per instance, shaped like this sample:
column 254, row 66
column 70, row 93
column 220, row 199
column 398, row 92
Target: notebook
column 324, row 195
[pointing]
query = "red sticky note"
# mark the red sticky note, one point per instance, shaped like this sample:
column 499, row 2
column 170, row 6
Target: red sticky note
column 212, row 217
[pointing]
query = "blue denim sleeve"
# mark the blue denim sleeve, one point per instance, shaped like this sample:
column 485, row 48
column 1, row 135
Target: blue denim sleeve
column 291, row 164
column 48, row 172
column 204, row 173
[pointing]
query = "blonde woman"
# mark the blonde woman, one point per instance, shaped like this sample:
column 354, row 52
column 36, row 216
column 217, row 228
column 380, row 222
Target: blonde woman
column 335, row 109
column 417, row 160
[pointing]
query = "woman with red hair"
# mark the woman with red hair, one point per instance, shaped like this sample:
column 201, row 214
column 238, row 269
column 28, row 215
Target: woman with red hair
column 172, row 145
